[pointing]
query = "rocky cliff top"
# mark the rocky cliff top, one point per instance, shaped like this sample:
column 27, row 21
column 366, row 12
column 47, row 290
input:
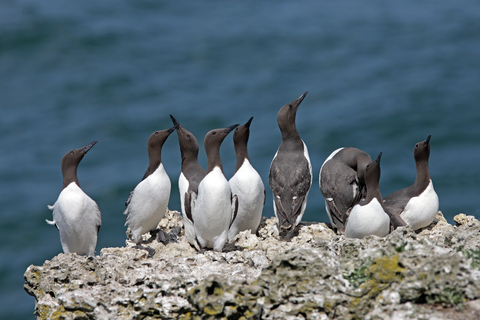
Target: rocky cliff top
column 431, row 273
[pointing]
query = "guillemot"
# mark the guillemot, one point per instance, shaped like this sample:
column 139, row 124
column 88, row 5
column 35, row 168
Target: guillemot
column 342, row 183
column 75, row 214
column 418, row 204
column 247, row 185
column 290, row 175
column 191, row 175
column 213, row 209
column 369, row 217
column 148, row 201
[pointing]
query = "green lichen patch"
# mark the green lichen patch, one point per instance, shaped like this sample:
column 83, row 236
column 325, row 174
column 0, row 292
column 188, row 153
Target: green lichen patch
column 473, row 254
column 371, row 279
column 358, row 276
column 449, row 297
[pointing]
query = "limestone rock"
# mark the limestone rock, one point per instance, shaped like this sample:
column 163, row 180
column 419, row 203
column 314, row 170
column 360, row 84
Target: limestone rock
column 316, row 274
column 462, row 219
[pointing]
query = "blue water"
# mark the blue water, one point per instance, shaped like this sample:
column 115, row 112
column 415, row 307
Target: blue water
column 381, row 75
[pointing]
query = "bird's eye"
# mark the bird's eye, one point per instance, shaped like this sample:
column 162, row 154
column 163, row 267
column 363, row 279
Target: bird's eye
column 72, row 152
column 188, row 136
column 416, row 146
column 156, row 132
column 236, row 129
column 214, row 133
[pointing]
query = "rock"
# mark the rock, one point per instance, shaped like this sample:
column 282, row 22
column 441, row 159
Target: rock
column 462, row 219
column 316, row 274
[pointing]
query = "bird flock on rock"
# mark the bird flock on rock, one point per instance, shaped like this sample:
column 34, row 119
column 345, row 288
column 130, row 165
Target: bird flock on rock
column 215, row 210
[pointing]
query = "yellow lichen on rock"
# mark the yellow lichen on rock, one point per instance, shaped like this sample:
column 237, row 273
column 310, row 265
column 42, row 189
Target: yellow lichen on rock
column 386, row 270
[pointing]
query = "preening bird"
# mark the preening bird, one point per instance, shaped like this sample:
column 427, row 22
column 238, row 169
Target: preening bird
column 342, row 183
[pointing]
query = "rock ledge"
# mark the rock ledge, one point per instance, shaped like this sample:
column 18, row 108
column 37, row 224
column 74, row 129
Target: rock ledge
column 434, row 273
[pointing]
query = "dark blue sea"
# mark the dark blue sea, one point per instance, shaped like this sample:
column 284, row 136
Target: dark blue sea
column 381, row 76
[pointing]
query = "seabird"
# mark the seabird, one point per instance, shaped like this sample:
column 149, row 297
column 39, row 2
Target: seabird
column 213, row 209
column 75, row 214
column 369, row 217
column 247, row 185
column 342, row 182
column 290, row 174
column 148, row 201
column 418, row 204
column 190, row 177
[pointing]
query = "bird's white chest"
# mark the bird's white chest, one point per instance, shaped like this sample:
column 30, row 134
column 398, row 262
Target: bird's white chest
column 154, row 188
column 183, row 189
column 213, row 192
column 182, row 183
column 247, row 185
column 247, row 182
column 72, row 204
column 420, row 211
column 149, row 200
column 213, row 210
column 369, row 219
column 148, row 203
column 77, row 217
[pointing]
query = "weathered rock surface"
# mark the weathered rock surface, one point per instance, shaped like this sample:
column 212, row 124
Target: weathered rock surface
column 434, row 273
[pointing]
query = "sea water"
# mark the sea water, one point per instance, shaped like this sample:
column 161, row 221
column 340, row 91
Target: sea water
column 381, row 76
